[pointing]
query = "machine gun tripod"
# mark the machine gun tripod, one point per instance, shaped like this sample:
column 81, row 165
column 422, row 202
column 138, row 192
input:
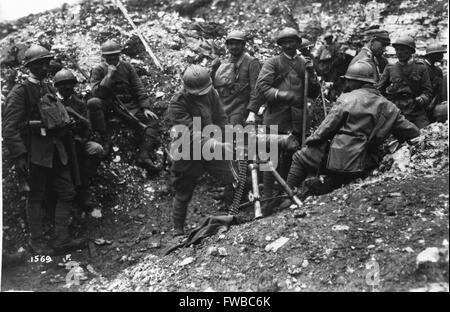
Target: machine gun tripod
column 245, row 166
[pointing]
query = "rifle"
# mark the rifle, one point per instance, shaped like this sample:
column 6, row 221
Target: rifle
column 305, row 108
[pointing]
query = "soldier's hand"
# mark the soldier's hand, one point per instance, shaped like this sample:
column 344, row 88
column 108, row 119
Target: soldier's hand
column 21, row 165
column 251, row 118
column 93, row 148
column 287, row 96
column 111, row 70
column 149, row 114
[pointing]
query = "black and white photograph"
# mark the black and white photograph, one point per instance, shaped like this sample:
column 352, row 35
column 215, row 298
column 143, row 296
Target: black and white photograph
column 225, row 151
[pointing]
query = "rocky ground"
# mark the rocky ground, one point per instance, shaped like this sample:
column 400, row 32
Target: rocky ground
column 395, row 222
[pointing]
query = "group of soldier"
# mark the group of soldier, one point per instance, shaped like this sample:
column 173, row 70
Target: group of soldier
column 58, row 140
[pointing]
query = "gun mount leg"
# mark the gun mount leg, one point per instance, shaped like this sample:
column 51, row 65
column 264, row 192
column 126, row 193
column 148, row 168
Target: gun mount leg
column 285, row 186
column 255, row 189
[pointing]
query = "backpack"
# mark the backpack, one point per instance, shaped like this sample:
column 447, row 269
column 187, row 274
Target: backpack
column 53, row 113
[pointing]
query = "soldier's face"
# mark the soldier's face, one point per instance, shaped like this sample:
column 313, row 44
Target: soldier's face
column 351, row 85
column 289, row 46
column 403, row 53
column 40, row 68
column 112, row 59
column 235, row 47
column 65, row 88
column 378, row 47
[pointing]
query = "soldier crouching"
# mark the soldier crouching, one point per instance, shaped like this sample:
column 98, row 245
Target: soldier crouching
column 116, row 80
column 89, row 153
column 197, row 99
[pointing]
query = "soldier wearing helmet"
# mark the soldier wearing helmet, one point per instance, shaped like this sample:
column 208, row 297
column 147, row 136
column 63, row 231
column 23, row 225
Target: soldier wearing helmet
column 305, row 48
column 117, row 77
column 377, row 41
column 89, row 153
column 327, row 57
column 198, row 99
column 345, row 145
column 281, row 83
column 407, row 82
column 235, row 79
column 40, row 152
column 435, row 54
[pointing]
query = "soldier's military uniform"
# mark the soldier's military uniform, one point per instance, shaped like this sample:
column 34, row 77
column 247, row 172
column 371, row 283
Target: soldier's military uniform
column 235, row 81
column 89, row 152
column 47, row 155
column 185, row 173
column 409, row 87
column 366, row 55
column 126, row 84
column 346, row 144
column 283, row 73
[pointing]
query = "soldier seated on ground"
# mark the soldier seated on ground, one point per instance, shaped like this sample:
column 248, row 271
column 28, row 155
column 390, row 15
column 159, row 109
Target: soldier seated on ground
column 407, row 83
column 116, row 80
column 346, row 144
column 89, row 152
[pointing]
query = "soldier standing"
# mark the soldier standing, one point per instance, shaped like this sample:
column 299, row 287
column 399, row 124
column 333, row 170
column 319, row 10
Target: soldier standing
column 372, row 52
column 117, row 78
column 40, row 152
column 281, row 82
column 407, row 82
column 435, row 53
column 345, row 146
column 197, row 99
column 326, row 57
column 235, row 79
column 89, row 153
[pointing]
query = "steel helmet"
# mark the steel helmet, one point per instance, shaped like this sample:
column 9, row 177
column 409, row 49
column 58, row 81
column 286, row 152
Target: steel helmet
column 288, row 32
column 405, row 41
column 64, row 75
column 328, row 35
column 362, row 71
column 35, row 53
column 110, row 47
column 196, row 80
column 435, row 48
column 235, row 35
column 306, row 44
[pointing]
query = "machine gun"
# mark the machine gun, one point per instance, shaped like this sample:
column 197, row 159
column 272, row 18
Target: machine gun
column 253, row 166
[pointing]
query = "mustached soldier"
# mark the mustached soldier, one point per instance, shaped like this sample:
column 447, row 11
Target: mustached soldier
column 235, row 79
column 115, row 76
column 407, row 82
column 372, row 52
column 281, row 82
column 41, row 152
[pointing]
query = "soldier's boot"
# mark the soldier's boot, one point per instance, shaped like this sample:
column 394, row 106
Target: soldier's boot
column 63, row 242
column 35, row 218
column 147, row 146
column 179, row 216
